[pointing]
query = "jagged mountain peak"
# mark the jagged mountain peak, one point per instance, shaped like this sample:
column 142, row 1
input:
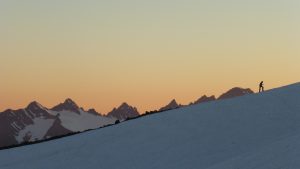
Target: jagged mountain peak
column 126, row 106
column 174, row 102
column 124, row 111
column 68, row 105
column 35, row 105
column 172, row 105
column 69, row 101
column 93, row 111
column 235, row 92
column 36, row 122
column 204, row 99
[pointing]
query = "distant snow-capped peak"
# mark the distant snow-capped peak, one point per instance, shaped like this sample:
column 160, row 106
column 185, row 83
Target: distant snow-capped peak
column 69, row 104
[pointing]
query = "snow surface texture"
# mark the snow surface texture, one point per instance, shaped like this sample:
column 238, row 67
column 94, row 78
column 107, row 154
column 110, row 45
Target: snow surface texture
column 258, row 131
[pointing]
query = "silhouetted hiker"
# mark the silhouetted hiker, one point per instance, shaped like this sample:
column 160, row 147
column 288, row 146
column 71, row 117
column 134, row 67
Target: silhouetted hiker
column 261, row 87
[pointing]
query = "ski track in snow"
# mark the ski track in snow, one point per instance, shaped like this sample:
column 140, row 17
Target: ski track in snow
column 259, row 131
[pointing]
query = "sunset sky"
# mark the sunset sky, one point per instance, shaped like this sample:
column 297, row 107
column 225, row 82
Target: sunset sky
column 145, row 52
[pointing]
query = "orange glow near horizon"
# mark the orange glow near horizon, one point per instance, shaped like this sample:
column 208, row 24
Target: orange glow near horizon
column 145, row 53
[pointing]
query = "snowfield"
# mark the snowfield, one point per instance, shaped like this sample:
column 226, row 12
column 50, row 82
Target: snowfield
column 258, row 131
column 81, row 122
column 36, row 131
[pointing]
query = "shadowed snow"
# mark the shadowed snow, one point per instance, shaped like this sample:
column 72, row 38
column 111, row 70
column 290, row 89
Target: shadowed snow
column 260, row 131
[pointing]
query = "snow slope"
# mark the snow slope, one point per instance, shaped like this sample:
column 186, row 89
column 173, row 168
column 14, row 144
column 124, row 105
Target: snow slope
column 82, row 121
column 36, row 122
column 258, row 131
column 35, row 131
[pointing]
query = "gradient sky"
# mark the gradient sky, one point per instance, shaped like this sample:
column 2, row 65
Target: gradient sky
column 145, row 52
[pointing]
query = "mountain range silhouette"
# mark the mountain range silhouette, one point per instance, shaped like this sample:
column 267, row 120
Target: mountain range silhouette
column 36, row 122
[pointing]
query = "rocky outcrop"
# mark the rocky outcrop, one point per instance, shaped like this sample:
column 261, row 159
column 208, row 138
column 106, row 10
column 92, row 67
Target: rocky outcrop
column 123, row 112
column 204, row 99
column 172, row 105
column 235, row 92
column 68, row 105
